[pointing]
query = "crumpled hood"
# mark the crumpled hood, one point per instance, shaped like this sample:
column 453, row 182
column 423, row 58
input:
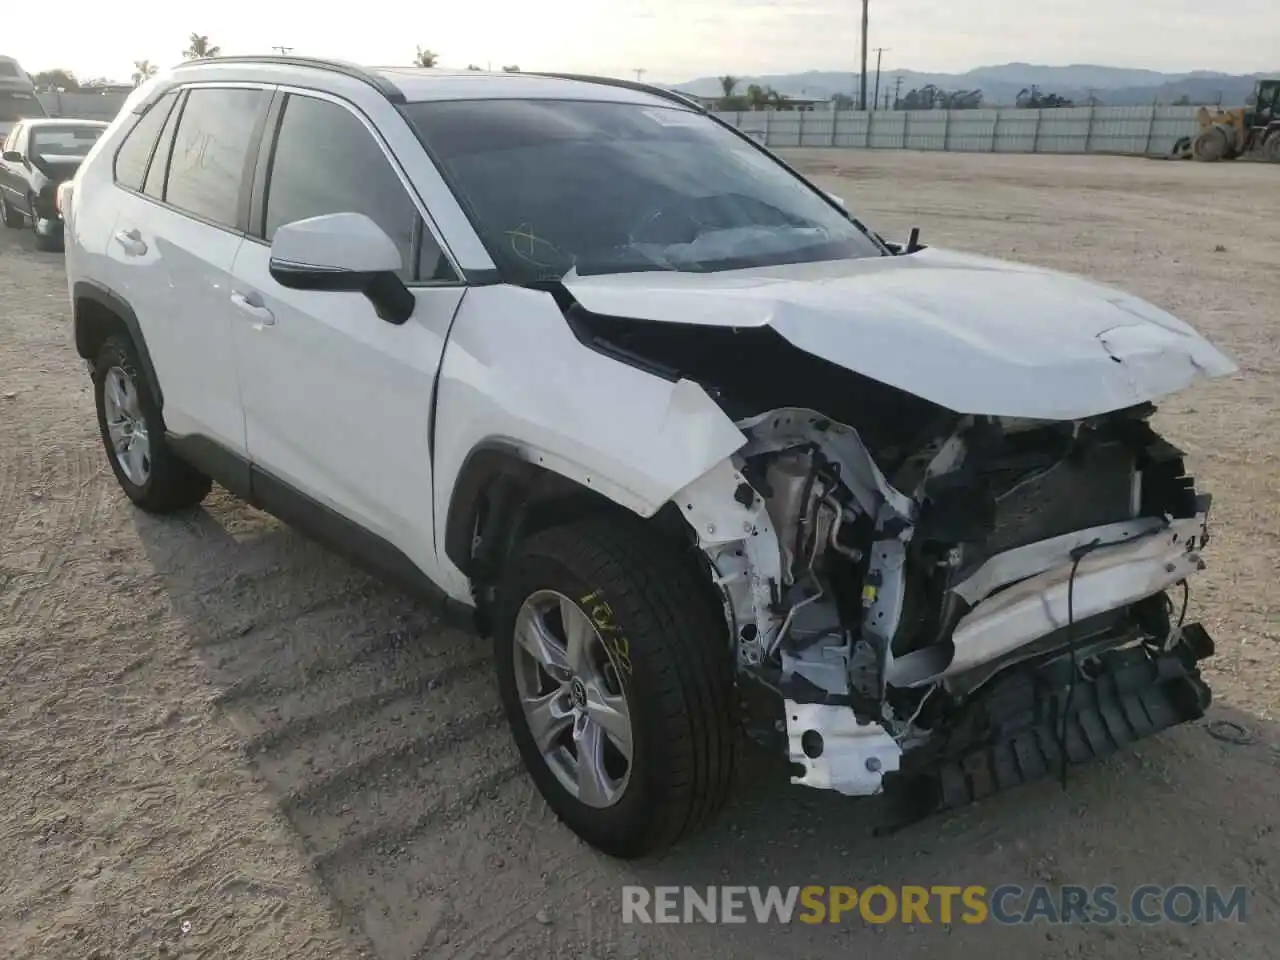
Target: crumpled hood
column 975, row 335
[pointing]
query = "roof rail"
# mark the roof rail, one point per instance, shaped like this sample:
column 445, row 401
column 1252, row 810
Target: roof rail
column 673, row 95
column 356, row 72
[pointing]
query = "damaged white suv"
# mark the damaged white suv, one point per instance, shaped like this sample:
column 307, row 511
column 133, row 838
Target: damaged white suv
column 694, row 446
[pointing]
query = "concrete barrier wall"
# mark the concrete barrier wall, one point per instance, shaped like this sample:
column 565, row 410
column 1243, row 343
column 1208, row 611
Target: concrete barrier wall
column 82, row 106
column 1150, row 130
column 1133, row 130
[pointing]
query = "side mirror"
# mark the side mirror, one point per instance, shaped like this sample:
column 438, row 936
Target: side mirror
column 838, row 201
column 13, row 156
column 342, row 252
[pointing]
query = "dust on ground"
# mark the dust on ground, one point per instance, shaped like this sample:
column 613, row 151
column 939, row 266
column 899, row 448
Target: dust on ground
column 218, row 739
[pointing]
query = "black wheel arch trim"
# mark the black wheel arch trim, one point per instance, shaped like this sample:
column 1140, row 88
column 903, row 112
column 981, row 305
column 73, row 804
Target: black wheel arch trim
column 94, row 292
column 493, row 495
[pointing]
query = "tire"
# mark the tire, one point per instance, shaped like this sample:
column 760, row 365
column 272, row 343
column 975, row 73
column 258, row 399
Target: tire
column 164, row 483
column 1210, row 145
column 667, row 647
column 12, row 219
column 1271, row 149
column 47, row 244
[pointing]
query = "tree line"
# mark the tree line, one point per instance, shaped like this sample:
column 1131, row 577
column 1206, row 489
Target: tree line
column 199, row 47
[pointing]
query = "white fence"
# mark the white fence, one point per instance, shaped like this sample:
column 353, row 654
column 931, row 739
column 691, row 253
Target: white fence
column 1132, row 130
column 1128, row 130
column 82, row 106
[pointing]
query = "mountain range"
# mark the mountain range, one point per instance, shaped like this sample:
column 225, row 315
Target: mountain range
column 1113, row 86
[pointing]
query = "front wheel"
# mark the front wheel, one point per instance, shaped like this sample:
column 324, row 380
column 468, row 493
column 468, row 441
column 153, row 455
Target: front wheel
column 1271, row 148
column 615, row 673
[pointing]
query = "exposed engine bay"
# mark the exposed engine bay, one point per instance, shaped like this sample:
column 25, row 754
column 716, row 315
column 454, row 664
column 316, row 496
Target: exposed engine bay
column 977, row 611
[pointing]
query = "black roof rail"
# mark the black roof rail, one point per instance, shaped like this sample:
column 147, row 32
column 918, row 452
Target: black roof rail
column 673, row 95
column 356, row 72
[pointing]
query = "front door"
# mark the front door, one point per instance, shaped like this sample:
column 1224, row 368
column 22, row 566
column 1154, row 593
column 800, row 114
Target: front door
column 337, row 401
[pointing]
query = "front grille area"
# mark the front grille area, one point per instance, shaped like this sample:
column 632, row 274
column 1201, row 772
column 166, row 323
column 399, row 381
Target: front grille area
column 1091, row 487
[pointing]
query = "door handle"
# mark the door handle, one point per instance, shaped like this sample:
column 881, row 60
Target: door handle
column 251, row 303
column 132, row 242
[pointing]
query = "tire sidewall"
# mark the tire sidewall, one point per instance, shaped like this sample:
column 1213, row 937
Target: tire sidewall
column 115, row 353
column 604, row 827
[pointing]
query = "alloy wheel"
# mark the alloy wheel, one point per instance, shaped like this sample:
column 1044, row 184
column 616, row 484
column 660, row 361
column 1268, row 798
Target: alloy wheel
column 126, row 426
column 573, row 698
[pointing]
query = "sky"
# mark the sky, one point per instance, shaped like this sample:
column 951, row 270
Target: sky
column 672, row 40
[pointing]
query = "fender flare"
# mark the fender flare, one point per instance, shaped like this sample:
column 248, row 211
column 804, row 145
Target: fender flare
column 86, row 345
column 492, row 497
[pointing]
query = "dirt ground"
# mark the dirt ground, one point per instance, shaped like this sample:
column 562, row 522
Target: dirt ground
column 219, row 740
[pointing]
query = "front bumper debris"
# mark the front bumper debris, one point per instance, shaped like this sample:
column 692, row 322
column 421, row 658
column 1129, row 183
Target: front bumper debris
column 1018, row 732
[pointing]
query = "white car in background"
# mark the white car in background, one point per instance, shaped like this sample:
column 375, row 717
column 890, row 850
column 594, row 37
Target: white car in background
column 698, row 449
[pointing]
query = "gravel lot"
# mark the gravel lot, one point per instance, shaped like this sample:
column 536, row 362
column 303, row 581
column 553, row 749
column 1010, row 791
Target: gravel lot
column 218, row 740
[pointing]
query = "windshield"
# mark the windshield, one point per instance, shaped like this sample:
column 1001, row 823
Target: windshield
column 63, row 143
column 15, row 105
column 558, row 187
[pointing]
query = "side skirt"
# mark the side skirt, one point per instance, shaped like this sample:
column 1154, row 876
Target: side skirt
column 319, row 522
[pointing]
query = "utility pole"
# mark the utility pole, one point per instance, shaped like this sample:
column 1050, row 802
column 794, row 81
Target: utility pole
column 862, row 96
column 283, row 51
column 897, row 90
column 879, row 53
column 640, row 72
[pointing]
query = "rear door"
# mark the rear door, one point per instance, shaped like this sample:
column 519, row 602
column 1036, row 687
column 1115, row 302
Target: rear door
column 337, row 401
column 174, row 243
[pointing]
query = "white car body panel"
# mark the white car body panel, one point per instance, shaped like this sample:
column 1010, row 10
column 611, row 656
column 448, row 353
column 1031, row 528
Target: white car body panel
column 514, row 373
column 177, row 277
column 337, row 402
column 974, row 335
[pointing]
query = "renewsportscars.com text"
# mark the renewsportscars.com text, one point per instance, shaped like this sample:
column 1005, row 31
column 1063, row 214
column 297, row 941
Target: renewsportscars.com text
column 1006, row 904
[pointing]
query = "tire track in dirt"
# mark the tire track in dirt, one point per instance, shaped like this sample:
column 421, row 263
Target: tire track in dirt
column 375, row 728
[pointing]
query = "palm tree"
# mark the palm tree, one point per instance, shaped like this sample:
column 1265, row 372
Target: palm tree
column 200, row 48
column 425, row 58
column 143, row 70
column 727, row 83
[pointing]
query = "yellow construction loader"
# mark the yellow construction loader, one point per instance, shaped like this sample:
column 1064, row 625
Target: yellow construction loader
column 1253, row 131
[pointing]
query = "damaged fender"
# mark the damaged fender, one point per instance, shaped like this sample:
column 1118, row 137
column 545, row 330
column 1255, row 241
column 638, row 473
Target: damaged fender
column 638, row 440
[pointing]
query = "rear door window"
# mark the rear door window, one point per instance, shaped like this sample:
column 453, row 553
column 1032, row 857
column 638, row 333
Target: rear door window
column 135, row 152
column 211, row 151
column 153, row 186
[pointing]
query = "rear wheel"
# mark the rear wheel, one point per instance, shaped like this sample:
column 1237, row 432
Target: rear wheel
column 615, row 673
column 48, row 242
column 132, row 431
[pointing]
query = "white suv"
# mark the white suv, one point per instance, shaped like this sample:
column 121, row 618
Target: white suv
column 699, row 450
